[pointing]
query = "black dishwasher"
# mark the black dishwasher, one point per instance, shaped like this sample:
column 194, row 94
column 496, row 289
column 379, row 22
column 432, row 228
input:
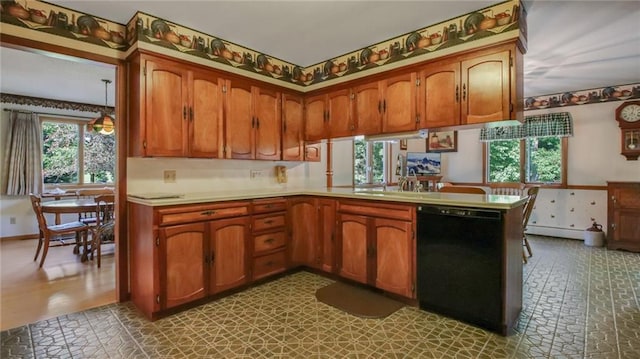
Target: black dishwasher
column 459, row 270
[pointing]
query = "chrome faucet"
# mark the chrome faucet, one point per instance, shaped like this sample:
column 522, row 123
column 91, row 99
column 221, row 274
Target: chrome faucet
column 402, row 181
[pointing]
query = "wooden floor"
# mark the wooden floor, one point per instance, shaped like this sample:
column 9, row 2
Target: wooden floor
column 63, row 285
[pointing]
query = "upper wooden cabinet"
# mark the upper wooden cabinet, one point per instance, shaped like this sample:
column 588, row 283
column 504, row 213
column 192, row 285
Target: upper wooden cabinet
column 329, row 115
column 176, row 110
column 252, row 122
column 292, row 127
column 386, row 106
column 486, row 91
column 475, row 90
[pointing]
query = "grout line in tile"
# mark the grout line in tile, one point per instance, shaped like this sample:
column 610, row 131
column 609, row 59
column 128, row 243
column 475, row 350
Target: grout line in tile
column 613, row 306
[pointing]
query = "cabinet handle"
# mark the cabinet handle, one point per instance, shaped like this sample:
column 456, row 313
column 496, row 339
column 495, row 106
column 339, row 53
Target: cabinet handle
column 268, row 221
column 191, row 113
column 253, row 122
column 213, row 257
column 257, row 122
column 184, row 112
column 379, row 106
column 284, row 126
column 464, row 92
column 457, row 93
column 326, row 115
column 268, row 206
column 269, row 240
column 208, row 213
column 384, row 105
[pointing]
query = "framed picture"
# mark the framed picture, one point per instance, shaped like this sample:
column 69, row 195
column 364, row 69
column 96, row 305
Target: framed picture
column 403, row 145
column 445, row 141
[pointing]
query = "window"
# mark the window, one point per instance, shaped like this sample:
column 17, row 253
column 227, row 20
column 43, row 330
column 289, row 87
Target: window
column 66, row 159
column 369, row 162
column 530, row 160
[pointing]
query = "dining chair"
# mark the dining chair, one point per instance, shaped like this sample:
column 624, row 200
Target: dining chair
column 532, row 194
column 103, row 231
column 48, row 233
column 90, row 193
column 463, row 189
column 507, row 188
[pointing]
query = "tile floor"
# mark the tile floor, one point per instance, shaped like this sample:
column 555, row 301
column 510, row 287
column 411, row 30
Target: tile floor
column 579, row 302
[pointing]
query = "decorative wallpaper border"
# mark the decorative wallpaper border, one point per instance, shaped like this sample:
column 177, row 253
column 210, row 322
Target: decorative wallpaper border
column 59, row 21
column 584, row 97
column 49, row 103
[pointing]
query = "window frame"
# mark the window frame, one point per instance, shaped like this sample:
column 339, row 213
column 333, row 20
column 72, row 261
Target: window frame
column 386, row 164
column 82, row 128
column 564, row 153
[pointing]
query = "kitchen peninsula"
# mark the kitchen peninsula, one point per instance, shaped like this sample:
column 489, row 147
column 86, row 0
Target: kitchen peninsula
column 196, row 247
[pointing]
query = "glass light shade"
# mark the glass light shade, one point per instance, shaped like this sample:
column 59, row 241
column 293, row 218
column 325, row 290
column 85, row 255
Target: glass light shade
column 103, row 124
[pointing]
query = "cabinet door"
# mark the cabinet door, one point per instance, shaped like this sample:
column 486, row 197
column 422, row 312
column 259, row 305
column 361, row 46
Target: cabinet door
column 228, row 253
column 339, row 110
column 239, row 120
column 205, row 116
column 368, row 109
column 292, row 128
column 440, row 94
column 394, row 256
column 399, row 103
column 315, row 118
column 326, row 233
column 353, row 247
column 267, row 115
column 166, row 101
column 624, row 216
column 182, row 270
column 303, row 245
column 486, row 88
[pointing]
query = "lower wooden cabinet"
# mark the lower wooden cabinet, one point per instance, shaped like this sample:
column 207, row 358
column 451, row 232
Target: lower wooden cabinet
column 623, row 216
column 376, row 245
column 227, row 255
column 311, row 231
column 269, row 237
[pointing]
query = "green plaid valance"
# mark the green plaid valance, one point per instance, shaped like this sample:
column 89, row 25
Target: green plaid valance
column 548, row 125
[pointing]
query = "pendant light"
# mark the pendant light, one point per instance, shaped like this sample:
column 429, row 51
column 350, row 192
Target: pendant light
column 104, row 124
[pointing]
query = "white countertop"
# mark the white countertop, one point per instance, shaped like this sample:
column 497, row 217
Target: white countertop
column 434, row 198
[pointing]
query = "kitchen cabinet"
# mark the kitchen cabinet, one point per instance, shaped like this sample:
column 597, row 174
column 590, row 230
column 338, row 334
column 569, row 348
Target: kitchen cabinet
column 292, row 127
column 311, row 228
column 177, row 110
column 269, row 237
column 227, row 255
column 474, row 90
column 329, row 115
column 185, row 253
column 376, row 245
column 312, row 151
column 252, row 122
column 387, row 105
column 623, row 216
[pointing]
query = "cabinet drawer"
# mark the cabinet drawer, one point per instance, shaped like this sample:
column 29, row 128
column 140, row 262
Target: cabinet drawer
column 269, row 221
column 269, row 241
column 379, row 209
column 186, row 214
column 269, row 205
column 270, row 264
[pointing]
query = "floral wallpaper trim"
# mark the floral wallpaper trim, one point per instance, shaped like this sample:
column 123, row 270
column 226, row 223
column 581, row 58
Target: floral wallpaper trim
column 584, row 97
column 49, row 103
column 423, row 43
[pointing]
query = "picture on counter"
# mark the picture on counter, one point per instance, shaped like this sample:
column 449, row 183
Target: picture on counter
column 422, row 164
column 403, row 145
column 445, row 141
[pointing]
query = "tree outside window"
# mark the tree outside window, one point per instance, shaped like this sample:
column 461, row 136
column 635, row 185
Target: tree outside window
column 369, row 160
column 67, row 160
column 542, row 160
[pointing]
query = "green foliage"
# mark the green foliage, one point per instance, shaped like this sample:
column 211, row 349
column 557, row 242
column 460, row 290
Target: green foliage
column 364, row 161
column 359, row 162
column 61, row 154
column 504, row 161
column 545, row 160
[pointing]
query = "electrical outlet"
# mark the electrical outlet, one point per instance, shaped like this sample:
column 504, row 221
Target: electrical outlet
column 253, row 174
column 12, row 220
column 170, row 176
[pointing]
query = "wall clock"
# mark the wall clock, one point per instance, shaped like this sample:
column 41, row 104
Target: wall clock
column 628, row 117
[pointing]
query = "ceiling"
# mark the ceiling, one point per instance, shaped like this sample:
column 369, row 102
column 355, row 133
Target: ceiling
column 572, row 45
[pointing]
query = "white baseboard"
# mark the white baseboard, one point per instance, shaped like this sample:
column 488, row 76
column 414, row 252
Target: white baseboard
column 556, row 232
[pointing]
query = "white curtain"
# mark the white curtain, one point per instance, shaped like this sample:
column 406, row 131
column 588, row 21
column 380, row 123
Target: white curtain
column 22, row 169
